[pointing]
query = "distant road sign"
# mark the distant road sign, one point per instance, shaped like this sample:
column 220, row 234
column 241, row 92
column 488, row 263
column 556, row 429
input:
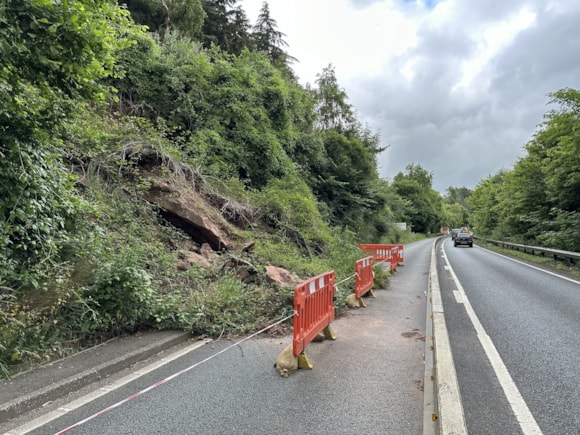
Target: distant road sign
column 402, row 225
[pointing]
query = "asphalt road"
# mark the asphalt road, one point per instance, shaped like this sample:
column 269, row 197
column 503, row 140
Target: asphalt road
column 532, row 318
column 368, row 381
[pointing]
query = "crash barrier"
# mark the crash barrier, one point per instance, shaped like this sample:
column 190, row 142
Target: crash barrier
column 556, row 254
column 364, row 279
column 314, row 311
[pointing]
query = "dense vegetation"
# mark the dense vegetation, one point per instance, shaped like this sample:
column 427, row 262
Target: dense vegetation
column 537, row 202
column 95, row 98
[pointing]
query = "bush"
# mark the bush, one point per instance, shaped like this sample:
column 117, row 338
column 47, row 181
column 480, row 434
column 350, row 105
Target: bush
column 122, row 297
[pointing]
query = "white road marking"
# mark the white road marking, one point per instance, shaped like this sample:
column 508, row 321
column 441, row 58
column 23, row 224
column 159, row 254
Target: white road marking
column 519, row 407
column 458, row 297
column 81, row 401
column 533, row 267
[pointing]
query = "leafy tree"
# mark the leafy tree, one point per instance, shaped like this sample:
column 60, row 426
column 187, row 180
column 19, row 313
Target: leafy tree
column 415, row 185
column 454, row 215
column 484, row 202
column 333, row 110
column 537, row 202
column 54, row 56
column 558, row 145
column 457, row 195
column 165, row 16
column 455, row 207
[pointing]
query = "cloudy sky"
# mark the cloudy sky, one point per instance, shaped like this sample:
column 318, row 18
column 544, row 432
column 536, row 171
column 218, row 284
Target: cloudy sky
column 457, row 86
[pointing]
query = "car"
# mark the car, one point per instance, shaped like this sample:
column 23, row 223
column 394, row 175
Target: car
column 463, row 239
column 454, row 233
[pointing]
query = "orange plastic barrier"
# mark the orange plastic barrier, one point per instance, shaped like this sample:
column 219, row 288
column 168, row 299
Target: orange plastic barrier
column 388, row 252
column 379, row 252
column 314, row 306
column 364, row 276
column 400, row 257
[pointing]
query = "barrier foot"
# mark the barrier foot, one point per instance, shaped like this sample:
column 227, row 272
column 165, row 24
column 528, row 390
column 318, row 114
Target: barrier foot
column 352, row 301
column 372, row 293
column 328, row 334
column 304, row 362
column 361, row 303
column 319, row 337
column 286, row 363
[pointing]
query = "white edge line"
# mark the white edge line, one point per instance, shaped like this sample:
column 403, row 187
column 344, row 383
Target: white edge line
column 519, row 407
column 87, row 398
column 451, row 418
column 533, row 267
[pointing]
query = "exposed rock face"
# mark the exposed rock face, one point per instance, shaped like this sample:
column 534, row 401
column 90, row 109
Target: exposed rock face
column 184, row 209
column 281, row 276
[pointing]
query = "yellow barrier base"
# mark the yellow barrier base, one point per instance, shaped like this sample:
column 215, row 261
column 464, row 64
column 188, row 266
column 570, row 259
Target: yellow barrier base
column 328, row 334
column 304, row 362
column 353, row 302
column 286, row 363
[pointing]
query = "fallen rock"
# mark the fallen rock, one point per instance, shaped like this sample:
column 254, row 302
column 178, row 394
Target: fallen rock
column 281, row 276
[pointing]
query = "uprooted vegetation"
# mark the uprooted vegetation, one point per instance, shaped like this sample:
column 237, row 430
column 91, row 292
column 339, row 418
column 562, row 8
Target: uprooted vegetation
column 156, row 244
column 148, row 182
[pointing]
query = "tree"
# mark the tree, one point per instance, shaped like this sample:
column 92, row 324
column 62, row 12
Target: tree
column 415, row 185
column 484, row 202
column 333, row 110
column 269, row 39
column 457, row 195
column 226, row 26
column 165, row 16
column 54, row 56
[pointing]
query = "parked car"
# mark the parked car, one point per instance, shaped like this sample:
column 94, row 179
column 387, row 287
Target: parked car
column 454, row 233
column 463, row 239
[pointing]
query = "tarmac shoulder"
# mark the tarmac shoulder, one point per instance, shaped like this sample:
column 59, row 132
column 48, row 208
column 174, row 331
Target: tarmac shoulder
column 32, row 389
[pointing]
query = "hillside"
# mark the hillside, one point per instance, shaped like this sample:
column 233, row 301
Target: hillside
column 162, row 167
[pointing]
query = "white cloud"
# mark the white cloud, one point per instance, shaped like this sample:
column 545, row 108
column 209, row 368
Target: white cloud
column 439, row 79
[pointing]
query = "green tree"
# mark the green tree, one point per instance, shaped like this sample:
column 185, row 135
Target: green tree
column 333, row 110
column 415, row 185
column 269, row 39
column 484, row 202
column 226, row 26
column 165, row 16
column 54, row 56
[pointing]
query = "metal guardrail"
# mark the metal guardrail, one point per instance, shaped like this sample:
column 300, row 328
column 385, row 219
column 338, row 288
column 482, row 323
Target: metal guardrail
column 536, row 250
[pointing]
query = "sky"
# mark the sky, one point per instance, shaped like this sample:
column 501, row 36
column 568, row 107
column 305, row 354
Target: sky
column 456, row 86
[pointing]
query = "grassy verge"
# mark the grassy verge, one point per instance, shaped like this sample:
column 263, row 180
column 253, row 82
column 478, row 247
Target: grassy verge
column 544, row 262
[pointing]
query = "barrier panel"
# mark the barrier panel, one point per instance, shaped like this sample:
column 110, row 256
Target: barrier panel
column 400, row 257
column 381, row 253
column 364, row 279
column 392, row 253
column 314, row 307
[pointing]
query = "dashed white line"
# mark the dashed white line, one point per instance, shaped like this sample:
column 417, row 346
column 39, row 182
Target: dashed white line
column 519, row 407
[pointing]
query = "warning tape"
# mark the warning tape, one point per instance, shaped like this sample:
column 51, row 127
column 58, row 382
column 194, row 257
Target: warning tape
column 169, row 378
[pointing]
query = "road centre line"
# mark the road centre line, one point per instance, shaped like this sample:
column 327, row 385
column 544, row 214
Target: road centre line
column 519, row 407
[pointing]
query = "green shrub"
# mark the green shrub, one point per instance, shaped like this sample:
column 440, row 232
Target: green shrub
column 122, row 296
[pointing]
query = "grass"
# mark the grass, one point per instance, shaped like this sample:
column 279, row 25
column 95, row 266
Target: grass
column 541, row 261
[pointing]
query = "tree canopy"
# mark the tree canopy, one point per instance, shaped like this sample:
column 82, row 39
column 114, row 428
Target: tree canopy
column 537, row 202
